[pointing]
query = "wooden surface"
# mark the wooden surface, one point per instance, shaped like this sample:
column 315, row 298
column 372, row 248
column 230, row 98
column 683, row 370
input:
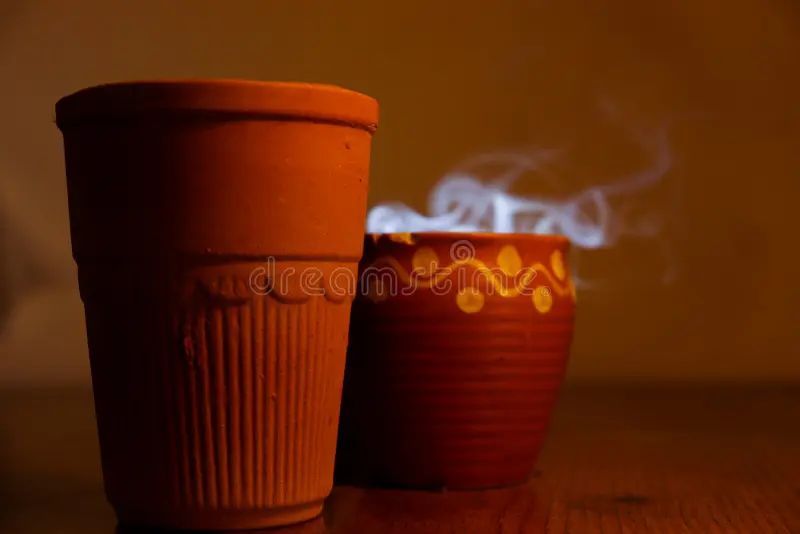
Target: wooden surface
column 679, row 459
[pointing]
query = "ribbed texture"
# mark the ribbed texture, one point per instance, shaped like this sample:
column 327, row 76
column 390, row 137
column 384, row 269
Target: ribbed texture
column 451, row 401
column 214, row 404
column 253, row 439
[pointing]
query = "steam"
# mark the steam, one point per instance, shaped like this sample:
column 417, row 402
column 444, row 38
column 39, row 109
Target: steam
column 462, row 202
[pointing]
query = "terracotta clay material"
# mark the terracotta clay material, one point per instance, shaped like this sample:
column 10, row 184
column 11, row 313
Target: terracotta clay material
column 217, row 389
column 451, row 383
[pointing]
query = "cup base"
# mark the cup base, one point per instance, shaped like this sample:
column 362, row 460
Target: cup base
column 223, row 520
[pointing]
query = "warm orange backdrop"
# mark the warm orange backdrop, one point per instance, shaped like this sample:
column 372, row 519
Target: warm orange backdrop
column 456, row 79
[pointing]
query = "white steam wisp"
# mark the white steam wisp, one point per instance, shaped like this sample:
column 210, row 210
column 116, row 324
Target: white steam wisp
column 462, row 202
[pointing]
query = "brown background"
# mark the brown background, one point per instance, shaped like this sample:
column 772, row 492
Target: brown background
column 714, row 296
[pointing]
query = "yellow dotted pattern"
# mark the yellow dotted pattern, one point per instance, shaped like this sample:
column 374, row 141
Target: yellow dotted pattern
column 557, row 264
column 509, row 261
column 425, row 261
column 426, row 265
column 470, row 300
column 402, row 237
column 542, row 299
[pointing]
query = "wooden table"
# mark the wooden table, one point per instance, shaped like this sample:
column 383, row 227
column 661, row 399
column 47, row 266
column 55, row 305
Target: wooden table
column 618, row 459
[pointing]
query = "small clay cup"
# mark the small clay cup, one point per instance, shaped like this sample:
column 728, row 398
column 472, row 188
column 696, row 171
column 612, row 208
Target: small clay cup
column 195, row 206
column 458, row 347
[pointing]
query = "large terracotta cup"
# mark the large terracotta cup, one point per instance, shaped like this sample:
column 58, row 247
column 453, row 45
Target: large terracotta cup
column 195, row 209
column 458, row 347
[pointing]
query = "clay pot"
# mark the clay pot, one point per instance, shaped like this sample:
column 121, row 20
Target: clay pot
column 458, row 346
column 217, row 372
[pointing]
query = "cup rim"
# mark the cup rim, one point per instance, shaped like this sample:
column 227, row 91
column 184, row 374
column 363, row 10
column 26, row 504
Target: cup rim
column 227, row 96
column 481, row 236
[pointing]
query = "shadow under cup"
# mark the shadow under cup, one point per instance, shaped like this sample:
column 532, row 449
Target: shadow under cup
column 458, row 347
